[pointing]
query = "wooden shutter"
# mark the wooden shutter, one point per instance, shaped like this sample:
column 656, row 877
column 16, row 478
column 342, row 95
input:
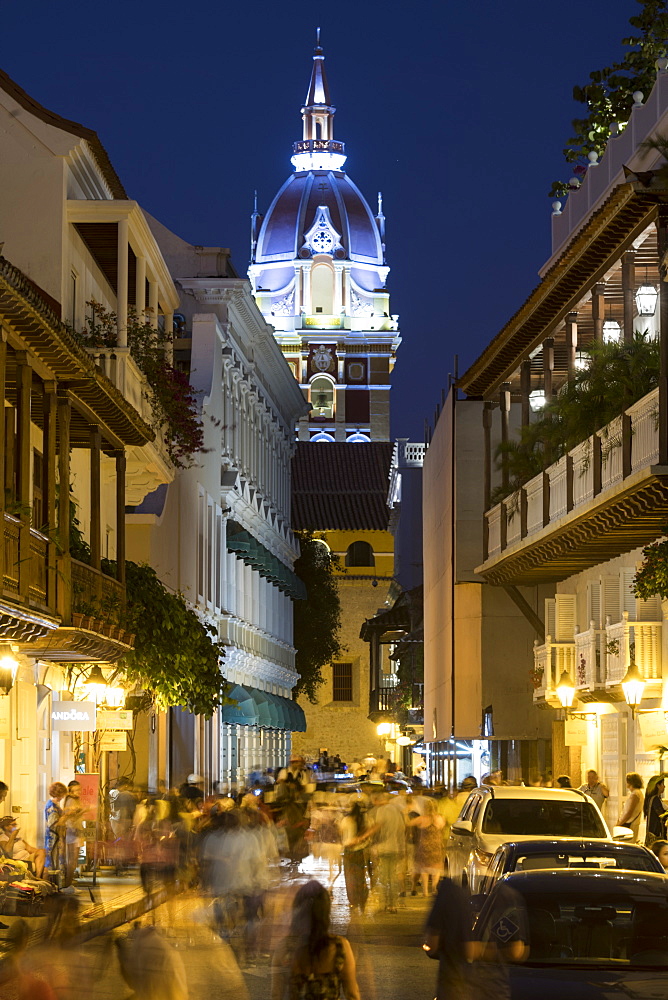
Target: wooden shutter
column 610, row 599
column 564, row 614
column 549, row 616
column 593, row 604
column 627, row 597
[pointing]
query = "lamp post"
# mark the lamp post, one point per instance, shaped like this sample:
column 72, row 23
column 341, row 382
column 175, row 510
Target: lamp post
column 633, row 686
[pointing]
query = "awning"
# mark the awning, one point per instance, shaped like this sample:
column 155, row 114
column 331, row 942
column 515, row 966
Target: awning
column 244, row 713
column 267, row 714
column 254, row 554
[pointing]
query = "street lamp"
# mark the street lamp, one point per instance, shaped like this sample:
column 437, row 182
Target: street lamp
column 565, row 690
column 384, row 728
column 633, row 686
column 8, row 668
column 611, row 331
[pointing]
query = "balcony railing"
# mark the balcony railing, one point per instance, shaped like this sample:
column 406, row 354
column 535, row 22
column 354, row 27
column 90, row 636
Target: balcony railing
column 11, row 541
column 93, row 588
column 598, row 658
column 599, row 463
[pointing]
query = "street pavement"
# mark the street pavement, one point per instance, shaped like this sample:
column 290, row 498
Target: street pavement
column 391, row 963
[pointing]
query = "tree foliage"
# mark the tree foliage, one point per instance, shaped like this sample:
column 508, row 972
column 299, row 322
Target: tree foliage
column 617, row 375
column 318, row 618
column 175, row 656
column 172, row 399
column 608, row 96
column 652, row 577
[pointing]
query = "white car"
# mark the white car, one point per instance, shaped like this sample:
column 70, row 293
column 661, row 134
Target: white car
column 495, row 814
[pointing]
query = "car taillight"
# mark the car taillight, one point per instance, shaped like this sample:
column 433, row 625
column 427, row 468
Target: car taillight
column 482, row 857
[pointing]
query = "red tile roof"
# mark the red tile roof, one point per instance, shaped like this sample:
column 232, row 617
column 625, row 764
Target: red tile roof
column 341, row 487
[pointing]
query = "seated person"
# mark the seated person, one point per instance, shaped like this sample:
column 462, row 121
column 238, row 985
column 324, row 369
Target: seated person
column 16, row 849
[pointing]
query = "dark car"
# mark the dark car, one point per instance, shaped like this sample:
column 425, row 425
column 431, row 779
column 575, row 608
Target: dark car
column 580, row 934
column 532, row 855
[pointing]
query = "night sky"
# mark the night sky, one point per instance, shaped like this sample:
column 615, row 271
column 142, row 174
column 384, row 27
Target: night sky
column 457, row 112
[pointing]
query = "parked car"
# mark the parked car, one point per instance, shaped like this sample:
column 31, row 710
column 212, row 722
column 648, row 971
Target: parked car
column 533, row 855
column 573, row 933
column 494, row 815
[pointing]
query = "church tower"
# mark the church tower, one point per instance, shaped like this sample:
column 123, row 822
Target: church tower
column 318, row 273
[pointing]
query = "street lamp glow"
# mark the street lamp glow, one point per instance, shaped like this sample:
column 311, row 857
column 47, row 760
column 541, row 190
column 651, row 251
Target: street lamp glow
column 646, row 298
column 95, row 684
column 8, row 668
column 612, row 331
column 633, row 686
column 537, row 399
column 384, row 728
column 565, row 690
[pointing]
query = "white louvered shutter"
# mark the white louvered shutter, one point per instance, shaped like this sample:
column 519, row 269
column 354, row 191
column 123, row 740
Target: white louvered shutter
column 610, row 599
column 627, row 597
column 549, row 616
column 564, row 615
column 593, row 604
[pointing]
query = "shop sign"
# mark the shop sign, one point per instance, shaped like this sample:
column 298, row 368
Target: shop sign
column 90, row 790
column 73, row 716
column 653, row 730
column 114, row 741
column 575, row 733
column 121, row 719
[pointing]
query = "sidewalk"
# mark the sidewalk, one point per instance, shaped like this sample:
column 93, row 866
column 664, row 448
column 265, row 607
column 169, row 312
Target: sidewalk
column 113, row 900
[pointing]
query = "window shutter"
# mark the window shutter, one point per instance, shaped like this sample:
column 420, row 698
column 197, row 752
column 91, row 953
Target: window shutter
column 593, row 604
column 649, row 610
column 628, row 601
column 549, row 616
column 610, row 599
column 565, row 606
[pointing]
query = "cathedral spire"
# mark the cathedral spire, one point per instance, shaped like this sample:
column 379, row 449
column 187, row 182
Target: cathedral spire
column 318, row 150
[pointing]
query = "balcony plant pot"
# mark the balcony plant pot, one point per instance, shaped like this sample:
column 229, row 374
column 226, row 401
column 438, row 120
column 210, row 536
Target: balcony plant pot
column 77, row 619
column 129, row 638
column 87, row 622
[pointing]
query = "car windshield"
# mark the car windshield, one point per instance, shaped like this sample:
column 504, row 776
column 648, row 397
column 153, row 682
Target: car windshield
column 566, row 927
column 637, row 861
column 542, row 818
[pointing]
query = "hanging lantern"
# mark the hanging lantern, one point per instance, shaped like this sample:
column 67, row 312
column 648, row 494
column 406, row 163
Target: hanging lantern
column 612, row 331
column 8, row 668
column 565, row 690
column 95, row 684
column 537, row 399
column 646, row 299
column 582, row 360
column 633, row 686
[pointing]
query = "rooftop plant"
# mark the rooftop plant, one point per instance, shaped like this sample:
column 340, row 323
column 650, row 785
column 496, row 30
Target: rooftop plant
column 617, row 375
column 608, row 96
column 172, row 399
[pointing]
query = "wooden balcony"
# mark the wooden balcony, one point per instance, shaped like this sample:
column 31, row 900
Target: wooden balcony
column 550, row 660
column 605, row 497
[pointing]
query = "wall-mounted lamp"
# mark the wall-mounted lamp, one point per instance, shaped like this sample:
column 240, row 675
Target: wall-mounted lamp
column 384, row 728
column 537, row 399
column 404, row 741
column 96, row 684
column 633, row 686
column 8, row 668
column 565, row 690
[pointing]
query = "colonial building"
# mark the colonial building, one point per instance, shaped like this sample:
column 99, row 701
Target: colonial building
column 76, row 443
column 318, row 273
column 561, row 549
column 220, row 533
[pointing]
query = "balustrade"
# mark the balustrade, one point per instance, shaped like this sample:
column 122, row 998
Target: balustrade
column 588, row 658
column 502, row 529
column 550, row 660
column 627, row 640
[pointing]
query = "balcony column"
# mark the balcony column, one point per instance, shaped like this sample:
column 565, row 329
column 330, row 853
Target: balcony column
column 120, row 516
column 95, row 497
column 628, row 292
column 140, row 289
column 65, row 590
column 504, row 406
column 598, row 310
column 122, row 282
column 548, row 367
column 571, row 335
column 525, row 389
column 662, row 240
column 153, row 303
column 50, row 405
column 24, row 453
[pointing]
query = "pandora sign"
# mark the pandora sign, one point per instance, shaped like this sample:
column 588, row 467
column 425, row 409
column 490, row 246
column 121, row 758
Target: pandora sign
column 67, row 716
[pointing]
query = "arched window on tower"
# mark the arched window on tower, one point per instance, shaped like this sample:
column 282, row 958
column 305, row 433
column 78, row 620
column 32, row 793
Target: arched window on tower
column 322, row 398
column 360, row 554
column 322, row 288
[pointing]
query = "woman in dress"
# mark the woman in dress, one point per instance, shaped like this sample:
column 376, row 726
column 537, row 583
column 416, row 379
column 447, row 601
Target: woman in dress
column 313, row 964
column 429, row 854
column 355, row 841
column 655, row 814
column 633, row 804
column 54, row 843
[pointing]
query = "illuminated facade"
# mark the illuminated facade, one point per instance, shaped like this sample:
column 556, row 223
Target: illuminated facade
column 318, row 273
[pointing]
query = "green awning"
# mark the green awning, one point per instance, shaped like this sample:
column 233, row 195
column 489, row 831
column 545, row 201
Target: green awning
column 245, row 546
column 244, row 713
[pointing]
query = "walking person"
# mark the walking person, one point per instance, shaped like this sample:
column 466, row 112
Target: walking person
column 388, row 829
column 448, row 938
column 313, row 964
column 355, row 839
column 54, row 841
column 72, row 820
column 653, row 810
column 632, row 809
column 429, row 846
